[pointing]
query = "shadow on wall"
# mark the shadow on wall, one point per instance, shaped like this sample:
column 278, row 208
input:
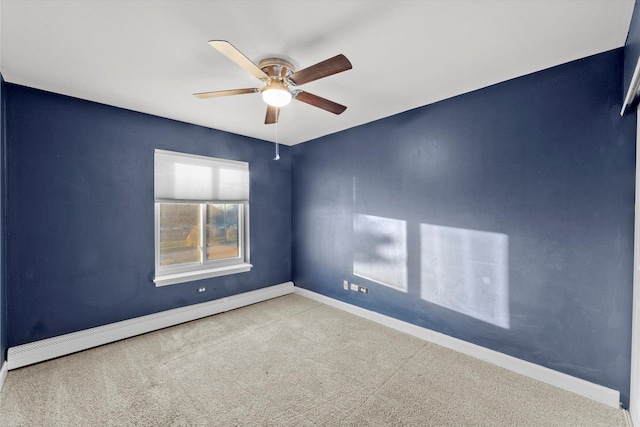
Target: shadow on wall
column 462, row 270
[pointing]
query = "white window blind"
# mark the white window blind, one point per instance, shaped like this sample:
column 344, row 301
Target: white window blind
column 187, row 177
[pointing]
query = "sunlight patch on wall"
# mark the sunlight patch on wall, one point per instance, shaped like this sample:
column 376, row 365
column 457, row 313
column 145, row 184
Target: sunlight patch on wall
column 466, row 271
column 380, row 250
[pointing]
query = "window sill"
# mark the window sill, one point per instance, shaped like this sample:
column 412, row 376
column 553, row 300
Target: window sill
column 188, row 276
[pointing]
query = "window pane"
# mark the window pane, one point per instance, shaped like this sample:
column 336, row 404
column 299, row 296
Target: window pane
column 222, row 231
column 179, row 233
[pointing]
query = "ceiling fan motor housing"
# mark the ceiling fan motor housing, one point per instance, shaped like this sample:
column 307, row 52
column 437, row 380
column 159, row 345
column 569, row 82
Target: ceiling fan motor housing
column 276, row 67
column 276, row 91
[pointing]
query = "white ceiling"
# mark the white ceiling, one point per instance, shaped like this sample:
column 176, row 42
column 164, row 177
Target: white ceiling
column 150, row 56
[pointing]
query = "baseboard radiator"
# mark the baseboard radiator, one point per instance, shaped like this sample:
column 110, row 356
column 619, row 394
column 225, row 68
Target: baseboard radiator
column 3, row 373
column 62, row 345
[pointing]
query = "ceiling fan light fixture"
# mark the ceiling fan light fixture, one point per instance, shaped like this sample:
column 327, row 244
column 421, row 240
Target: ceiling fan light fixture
column 276, row 94
column 277, row 97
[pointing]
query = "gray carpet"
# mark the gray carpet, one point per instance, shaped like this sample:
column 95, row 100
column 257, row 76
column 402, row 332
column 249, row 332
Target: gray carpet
column 289, row 361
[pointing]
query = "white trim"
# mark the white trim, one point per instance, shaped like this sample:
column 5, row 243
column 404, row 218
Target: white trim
column 189, row 276
column 634, row 87
column 628, row 418
column 62, row 345
column 634, row 392
column 3, row 373
column 584, row 388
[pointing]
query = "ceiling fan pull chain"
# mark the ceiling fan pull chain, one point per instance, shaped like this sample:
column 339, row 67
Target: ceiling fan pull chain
column 277, row 157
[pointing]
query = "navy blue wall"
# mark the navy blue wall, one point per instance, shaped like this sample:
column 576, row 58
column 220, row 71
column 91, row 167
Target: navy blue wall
column 81, row 212
column 544, row 159
column 632, row 47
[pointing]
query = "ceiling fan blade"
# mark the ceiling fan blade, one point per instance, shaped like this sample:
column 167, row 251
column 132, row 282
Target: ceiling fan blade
column 320, row 102
column 203, row 95
column 228, row 50
column 272, row 115
column 337, row 64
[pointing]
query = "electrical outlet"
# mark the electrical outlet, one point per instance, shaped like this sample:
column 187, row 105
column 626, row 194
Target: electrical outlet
column 363, row 290
column 345, row 285
column 354, row 287
column 201, row 289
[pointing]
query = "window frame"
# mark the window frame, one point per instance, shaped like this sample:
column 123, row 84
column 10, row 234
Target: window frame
column 169, row 275
column 203, row 269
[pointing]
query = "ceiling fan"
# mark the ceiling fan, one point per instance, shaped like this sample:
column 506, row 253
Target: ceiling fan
column 280, row 77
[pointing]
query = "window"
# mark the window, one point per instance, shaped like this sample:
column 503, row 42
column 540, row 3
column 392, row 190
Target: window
column 201, row 217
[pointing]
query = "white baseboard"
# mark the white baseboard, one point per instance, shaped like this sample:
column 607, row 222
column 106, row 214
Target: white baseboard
column 50, row 348
column 584, row 388
column 628, row 416
column 3, row 373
